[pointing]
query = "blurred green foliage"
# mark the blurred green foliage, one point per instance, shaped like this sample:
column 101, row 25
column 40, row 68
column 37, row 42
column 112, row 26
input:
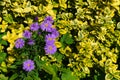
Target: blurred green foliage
column 89, row 34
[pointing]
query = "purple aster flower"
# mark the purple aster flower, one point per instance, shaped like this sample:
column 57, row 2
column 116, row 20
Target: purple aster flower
column 28, row 65
column 49, row 18
column 46, row 26
column 27, row 34
column 50, row 39
column 50, row 49
column 19, row 43
column 31, row 42
column 34, row 26
column 55, row 32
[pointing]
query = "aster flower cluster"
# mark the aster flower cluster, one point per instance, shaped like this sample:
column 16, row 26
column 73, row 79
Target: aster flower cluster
column 40, row 36
column 38, row 40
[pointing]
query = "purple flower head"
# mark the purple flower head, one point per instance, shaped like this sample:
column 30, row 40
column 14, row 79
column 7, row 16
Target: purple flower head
column 50, row 39
column 28, row 65
column 19, row 43
column 46, row 26
column 55, row 32
column 49, row 18
column 31, row 42
column 34, row 26
column 27, row 34
column 50, row 49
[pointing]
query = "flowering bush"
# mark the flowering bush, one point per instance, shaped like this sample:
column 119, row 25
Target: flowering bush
column 66, row 40
column 37, row 41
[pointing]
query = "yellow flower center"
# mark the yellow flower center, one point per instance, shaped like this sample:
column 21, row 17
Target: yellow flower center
column 28, row 65
column 49, row 38
column 46, row 25
column 19, row 43
column 50, row 48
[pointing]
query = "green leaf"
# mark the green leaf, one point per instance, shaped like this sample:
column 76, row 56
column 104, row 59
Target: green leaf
column 108, row 77
column 2, row 34
column 80, row 35
column 8, row 18
column 27, row 9
column 67, row 75
column 95, row 77
column 3, row 42
column 63, row 37
column 116, row 75
column 58, row 56
column 14, row 76
column 39, row 63
column 49, row 69
column 28, row 78
column 2, row 56
column 34, row 75
column 2, row 77
column 118, row 25
column 63, row 3
column 13, row 67
column 55, row 78
column 67, row 39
